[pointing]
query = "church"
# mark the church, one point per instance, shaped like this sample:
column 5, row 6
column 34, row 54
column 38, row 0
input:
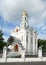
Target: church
column 24, row 38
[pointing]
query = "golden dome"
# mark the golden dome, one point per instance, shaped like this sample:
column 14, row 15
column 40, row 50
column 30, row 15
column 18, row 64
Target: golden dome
column 24, row 13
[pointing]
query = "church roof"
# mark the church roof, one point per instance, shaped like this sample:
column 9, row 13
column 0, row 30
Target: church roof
column 11, row 40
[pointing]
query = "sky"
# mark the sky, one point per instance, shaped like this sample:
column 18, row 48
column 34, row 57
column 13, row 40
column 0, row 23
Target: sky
column 11, row 12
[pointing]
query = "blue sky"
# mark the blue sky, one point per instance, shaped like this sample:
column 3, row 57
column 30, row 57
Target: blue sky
column 11, row 11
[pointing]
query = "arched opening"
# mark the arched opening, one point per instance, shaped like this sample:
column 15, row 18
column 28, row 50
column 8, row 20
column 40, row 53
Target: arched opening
column 16, row 48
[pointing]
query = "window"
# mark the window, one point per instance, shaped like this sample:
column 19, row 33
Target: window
column 35, row 40
column 25, row 18
column 27, row 39
column 25, row 24
column 31, row 40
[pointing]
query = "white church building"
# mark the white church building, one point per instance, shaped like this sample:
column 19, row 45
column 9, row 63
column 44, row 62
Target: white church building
column 23, row 38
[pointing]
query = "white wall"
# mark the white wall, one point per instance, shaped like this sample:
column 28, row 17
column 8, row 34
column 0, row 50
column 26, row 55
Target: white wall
column 23, row 60
column 29, row 42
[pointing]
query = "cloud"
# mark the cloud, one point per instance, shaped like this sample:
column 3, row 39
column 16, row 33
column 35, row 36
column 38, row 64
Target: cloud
column 12, row 9
column 43, row 16
column 41, row 30
column 41, row 36
column 44, row 28
column 7, row 27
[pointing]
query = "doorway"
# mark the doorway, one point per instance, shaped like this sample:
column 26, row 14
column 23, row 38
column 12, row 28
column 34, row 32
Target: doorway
column 16, row 48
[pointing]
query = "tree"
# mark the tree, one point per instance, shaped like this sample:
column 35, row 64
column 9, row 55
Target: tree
column 2, row 43
column 42, row 42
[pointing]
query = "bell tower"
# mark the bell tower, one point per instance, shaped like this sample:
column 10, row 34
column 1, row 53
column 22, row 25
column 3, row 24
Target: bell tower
column 24, row 23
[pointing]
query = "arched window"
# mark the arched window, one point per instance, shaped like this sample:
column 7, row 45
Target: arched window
column 27, row 38
column 25, row 24
column 31, row 39
column 16, row 48
column 25, row 18
column 35, row 40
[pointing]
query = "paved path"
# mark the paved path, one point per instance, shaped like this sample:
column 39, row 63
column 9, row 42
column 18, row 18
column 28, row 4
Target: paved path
column 24, row 63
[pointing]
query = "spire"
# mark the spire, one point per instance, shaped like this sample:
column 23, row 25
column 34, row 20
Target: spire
column 24, row 16
column 24, row 23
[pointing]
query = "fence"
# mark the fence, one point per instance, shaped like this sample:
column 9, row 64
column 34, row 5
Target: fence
column 24, row 57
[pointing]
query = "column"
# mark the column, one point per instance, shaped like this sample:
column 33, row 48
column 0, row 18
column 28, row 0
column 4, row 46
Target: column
column 29, row 43
column 23, row 54
column 36, row 45
column 5, row 53
column 40, row 52
column 33, row 45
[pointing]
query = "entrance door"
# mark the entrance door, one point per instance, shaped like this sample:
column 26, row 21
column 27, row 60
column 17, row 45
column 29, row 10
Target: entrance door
column 16, row 48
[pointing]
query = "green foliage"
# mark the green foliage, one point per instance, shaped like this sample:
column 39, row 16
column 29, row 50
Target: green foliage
column 42, row 42
column 2, row 43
